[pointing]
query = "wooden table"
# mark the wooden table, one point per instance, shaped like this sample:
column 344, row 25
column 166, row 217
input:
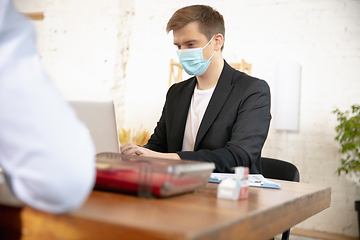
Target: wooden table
column 198, row 215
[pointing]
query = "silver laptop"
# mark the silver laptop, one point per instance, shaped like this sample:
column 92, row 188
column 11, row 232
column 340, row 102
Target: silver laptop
column 99, row 118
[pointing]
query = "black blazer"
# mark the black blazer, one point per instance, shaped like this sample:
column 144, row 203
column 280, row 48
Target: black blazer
column 234, row 127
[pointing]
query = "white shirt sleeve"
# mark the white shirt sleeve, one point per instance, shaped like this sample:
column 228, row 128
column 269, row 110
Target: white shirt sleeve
column 46, row 153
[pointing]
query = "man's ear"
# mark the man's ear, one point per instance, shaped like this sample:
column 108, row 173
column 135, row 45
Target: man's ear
column 219, row 41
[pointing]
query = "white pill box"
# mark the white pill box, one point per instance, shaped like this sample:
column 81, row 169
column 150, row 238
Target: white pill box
column 237, row 188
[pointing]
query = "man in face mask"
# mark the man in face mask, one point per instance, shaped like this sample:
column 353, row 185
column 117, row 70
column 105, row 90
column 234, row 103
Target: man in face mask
column 220, row 115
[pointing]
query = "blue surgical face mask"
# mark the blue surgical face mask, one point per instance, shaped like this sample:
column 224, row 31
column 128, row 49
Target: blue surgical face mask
column 192, row 60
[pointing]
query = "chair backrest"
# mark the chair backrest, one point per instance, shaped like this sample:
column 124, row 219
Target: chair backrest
column 242, row 66
column 176, row 70
column 278, row 169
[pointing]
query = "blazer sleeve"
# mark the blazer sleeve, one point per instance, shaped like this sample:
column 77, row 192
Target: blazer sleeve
column 246, row 134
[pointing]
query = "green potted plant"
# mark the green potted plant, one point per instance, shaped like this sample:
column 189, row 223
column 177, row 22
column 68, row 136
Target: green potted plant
column 348, row 135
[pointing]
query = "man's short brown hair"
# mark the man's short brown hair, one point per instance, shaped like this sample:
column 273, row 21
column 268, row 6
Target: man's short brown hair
column 210, row 21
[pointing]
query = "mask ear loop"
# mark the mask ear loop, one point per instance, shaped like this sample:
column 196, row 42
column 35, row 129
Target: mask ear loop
column 212, row 55
column 206, row 46
column 209, row 42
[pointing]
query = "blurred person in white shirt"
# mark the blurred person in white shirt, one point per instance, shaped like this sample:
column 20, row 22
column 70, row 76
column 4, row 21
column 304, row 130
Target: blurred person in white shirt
column 46, row 153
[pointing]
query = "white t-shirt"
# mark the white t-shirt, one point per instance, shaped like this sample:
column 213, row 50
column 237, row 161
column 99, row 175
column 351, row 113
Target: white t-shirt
column 46, row 153
column 199, row 102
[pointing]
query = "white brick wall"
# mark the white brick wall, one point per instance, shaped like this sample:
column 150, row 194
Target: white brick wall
column 84, row 46
column 323, row 36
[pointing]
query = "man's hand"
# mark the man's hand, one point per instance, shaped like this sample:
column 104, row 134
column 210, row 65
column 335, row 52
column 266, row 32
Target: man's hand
column 137, row 150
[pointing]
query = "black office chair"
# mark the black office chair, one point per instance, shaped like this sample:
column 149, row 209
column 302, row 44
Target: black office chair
column 281, row 170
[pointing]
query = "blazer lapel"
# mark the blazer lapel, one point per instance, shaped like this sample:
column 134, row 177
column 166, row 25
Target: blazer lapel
column 218, row 99
column 180, row 117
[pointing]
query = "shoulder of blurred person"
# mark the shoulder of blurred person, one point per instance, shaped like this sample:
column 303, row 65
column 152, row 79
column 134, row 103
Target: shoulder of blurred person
column 46, row 153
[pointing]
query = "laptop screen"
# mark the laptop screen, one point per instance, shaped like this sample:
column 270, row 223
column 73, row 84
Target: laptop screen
column 99, row 117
